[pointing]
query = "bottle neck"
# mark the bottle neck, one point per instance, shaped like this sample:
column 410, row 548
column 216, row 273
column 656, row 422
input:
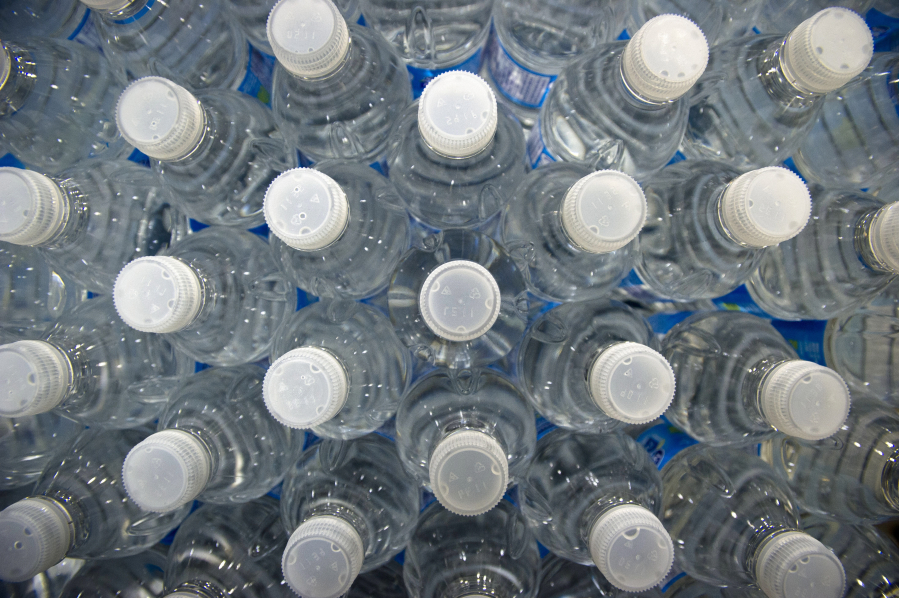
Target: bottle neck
column 344, row 511
column 864, row 243
column 76, row 514
column 717, row 217
column 756, row 546
column 629, row 92
column 614, row 498
column 209, row 298
column 204, row 143
column 754, row 386
column 77, row 214
column 774, row 75
column 198, row 589
column 19, row 82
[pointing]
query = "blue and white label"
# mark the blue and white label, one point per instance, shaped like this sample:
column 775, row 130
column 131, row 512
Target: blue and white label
column 663, row 441
column 518, row 83
column 885, row 30
column 257, row 82
column 537, row 153
column 806, row 337
column 421, row 77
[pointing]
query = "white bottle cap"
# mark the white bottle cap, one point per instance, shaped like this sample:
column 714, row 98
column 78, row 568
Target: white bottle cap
column 665, row 58
column 469, row 472
column 34, row 378
column 631, row 547
column 35, row 534
column 309, row 37
column 884, row 236
column 457, row 114
column 32, row 207
column 795, row 565
column 157, row 294
column 603, row 211
column 804, row 399
column 166, row 470
column 108, row 5
column 161, row 119
column 322, row 557
column 459, row 300
column 305, row 387
column 306, row 209
column 766, row 206
column 827, row 50
column 631, row 382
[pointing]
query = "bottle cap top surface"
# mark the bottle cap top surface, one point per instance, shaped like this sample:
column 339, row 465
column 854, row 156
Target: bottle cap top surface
column 322, row 558
column 460, row 300
column 309, row 37
column 805, row 400
column 469, row 472
column 32, row 207
column 305, row 387
column 306, row 209
column 35, row 534
column 631, row 382
column 157, row 294
column 885, row 236
column 34, row 378
column 795, row 565
column 457, row 114
column 603, row 211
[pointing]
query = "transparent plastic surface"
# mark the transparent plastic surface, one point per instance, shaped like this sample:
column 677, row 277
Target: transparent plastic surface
column 561, row 578
column 42, row 18
column 708, row 15
column 48, row 584
column 140, row 575
column 28, row 443
column 386, row 581
column 780, row 17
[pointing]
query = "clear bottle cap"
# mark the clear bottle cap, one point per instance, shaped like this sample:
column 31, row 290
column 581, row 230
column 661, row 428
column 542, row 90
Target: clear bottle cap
column 885, row 236
column 795, row 565
column 631, row 547
column 158, row 294
column 827, row 50
column 665, row 58
column 309, row 37
column 306, row 209
column 631, row 382
column 34, row 378
column 35, row 534
column 160, row 118
column 305, row 387
column 804, row 399
column 32, row 207
column 469, row 472
column 766, row 206
column 603, row 211
column 322, row 558
column 459, row 300
column 457, row 114
column 166, row 470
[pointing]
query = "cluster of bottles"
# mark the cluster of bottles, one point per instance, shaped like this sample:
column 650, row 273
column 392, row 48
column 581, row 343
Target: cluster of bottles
column 388, row 297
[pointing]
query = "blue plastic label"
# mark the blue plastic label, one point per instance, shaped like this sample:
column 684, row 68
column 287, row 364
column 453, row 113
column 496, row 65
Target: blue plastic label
column 740, row 300
column 663, row 442
column 86, row 33
column 538, row 155
column 136, row 16
column 518, row 83
column 885, row 30
column 806, row 337
column 12, row 161
column 421, row 77
column 257, row 81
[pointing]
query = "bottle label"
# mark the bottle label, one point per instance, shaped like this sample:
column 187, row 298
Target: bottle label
column 421, row 77
column 806, row 337
column 258, row 79
column 86, row 33
column 663, row 441
column 740, row 300
column 518, row 83
column 885, row 30
column 538, row 155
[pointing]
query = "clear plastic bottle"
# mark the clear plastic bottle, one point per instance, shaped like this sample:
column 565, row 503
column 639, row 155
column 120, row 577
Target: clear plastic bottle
column 218, row 295
column 848, row 253
column 216, row 443
column 739, row 381
column 351, row 508
column 57, row 104
column 596, row 499
column 466, row 436
column 340, row 96
column 47, row 584
column 384, row 582
column 687, row 587
column 347, row 245
column 216, row 151
column 455, row 156
column 709, row 226
column 90, row 220
column 337, row 368
column 195, row 44
column 138, row 576
column 594, row 366
column 740, row 16
column 778, row 16
column 760, row 95
column 28, row 443
column 79, row 508
column 561, row 578
column 492, row 554
column 92, row 368
column 42, row 18
column 707, row 14
column 623, row 105
column 229, row 550
column 733, row 523
column 572, row 231
column 479, row 322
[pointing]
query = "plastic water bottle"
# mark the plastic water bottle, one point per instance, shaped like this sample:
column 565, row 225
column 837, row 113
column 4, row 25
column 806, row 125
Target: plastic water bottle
column 492, row 554
column 386, row 581
column 687, row 587
column 215, row 443
column 623, row 105
column 43, row 18
column 572, row 231
column 48, row 584
column 466, row 436
column 851, row 143
column 92, row 368
column 707, row 14
column 139, row 575
column 28, row 443
column 337, row 368
column 339, row 229
column 195, row 44
column 351, row 508
column 57, row 100
column 594, row 366
column 458, row 300
column 333, row 98
column 777, row 17
column 847, row 254
column 79, row 508
column 596, row 499
column 216, row 151
column 738, row 380
column 733, row 523
column 740, row 16
column 90, row 220
column 455, row 156
column 432, row 38
column 223, row 550
column 217, row 295
column 708, row 225
column 561, row 578
column 760, row 96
